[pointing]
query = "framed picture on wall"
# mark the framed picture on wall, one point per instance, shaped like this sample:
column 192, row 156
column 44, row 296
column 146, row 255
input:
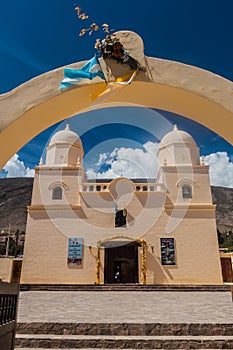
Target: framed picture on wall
column 167, row 246
column 75, row 251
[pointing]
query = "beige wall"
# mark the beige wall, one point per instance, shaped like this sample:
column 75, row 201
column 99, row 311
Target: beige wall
column 163, row 213
column 193, row 228
column 5, row 269
column 46, row 178
column 197, row 176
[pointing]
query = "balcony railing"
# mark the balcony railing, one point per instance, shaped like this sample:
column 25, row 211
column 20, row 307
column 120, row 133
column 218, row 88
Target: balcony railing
column 138, row 187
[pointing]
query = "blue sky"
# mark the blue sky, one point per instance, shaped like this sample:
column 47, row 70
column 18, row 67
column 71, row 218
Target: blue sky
column 39, row 36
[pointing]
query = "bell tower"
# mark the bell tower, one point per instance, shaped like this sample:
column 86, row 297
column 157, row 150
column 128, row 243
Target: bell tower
column 186, row 180
column 59, row 180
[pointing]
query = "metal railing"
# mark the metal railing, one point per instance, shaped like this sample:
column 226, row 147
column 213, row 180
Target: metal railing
column 8, row 308
column 8, row 314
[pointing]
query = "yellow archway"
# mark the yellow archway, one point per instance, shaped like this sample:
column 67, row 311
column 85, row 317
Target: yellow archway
column 189, row 91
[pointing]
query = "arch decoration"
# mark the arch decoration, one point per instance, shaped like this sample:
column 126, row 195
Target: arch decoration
column 58, row 183
column 100, row 245
column 172, row 86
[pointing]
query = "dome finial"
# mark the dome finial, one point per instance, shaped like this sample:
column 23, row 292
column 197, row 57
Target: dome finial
column 67, row 126
column 175, row 127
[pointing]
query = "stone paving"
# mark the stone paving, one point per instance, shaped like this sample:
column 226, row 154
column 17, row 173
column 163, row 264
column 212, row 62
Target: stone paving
column 118, row 307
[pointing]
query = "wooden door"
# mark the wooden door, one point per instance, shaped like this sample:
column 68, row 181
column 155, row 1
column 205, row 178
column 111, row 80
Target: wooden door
column 16, row 271
column 227, row 273
column 123, row 261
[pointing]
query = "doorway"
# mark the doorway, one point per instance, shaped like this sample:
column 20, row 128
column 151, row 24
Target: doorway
column 121, row 263
column 16, row 270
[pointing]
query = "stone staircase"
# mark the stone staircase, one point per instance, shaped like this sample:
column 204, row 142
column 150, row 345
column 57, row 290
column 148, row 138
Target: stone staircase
column 123, row 336
column 127, row 287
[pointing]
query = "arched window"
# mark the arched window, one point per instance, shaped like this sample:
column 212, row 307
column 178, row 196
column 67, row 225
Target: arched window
column 187, row 191
column 57, row 193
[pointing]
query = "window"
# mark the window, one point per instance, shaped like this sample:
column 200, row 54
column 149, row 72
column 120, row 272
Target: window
column 120, row 218
column 144, row 188
column 138, row 188
column 57, row 193
column 91, row 188
column 187, row 191
column 152, row 188
column 84, row 188
column 98, row 188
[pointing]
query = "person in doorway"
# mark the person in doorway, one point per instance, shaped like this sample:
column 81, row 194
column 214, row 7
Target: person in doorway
column 117, row 275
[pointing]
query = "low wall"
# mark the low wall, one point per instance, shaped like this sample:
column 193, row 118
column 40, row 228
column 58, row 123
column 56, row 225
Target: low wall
column 5, row 269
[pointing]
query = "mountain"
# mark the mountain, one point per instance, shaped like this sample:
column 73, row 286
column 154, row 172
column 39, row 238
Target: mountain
column 223, row 198
column 15, row 196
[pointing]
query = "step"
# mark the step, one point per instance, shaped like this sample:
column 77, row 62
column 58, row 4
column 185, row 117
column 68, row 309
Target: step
column 126, row 329
column 49, row 341
column 126, row 287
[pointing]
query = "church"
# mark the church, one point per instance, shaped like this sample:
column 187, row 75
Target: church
column 140, row 231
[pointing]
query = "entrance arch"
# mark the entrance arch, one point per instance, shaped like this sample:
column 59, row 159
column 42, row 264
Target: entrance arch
column 121, row 257
column 185, row 90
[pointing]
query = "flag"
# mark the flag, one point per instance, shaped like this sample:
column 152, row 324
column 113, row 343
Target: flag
column 126, row 79
column 74, row 76
column 113, row 87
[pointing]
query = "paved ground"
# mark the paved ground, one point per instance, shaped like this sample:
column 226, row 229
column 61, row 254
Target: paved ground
column 163, row 307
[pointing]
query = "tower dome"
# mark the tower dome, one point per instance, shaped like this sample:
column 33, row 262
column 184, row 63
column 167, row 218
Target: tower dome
column 176, row 136
column 178, row 147
column 66, row 136
column 64, row 149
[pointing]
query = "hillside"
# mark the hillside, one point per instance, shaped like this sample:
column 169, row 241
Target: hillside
column 15, row 196
column 223, row 198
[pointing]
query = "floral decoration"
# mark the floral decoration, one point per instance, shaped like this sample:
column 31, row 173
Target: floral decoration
column 110, row 46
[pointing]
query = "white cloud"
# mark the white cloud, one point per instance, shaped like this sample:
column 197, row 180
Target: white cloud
column 128, row 162
column 102, row 158
column 136, row 163
column 221, row 169
column 16, row 168
column 142, row 163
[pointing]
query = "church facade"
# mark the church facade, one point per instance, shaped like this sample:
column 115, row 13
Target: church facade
column 146, row 231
